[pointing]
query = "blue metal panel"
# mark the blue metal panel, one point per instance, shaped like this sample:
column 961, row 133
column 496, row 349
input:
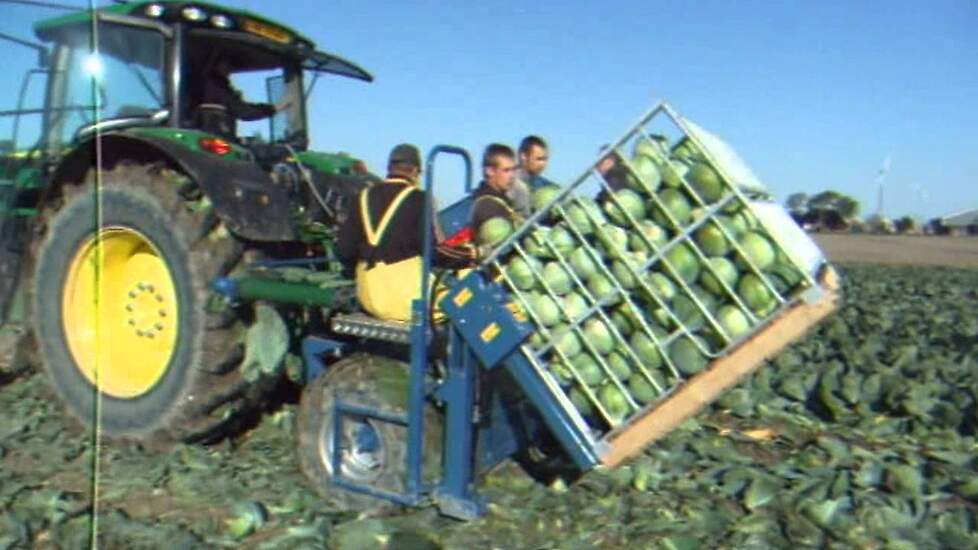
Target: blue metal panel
column 455, row 494
column 476, row 309
column 312, row 348
column 416, row 396
column 456, row 217
column 577, row 444
column 227, row 287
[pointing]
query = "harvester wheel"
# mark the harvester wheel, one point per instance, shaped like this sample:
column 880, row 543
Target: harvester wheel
column 372, row 452
column 120, row 301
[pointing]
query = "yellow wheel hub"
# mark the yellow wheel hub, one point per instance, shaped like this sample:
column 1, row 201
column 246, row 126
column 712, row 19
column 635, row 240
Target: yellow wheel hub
column 120, row 312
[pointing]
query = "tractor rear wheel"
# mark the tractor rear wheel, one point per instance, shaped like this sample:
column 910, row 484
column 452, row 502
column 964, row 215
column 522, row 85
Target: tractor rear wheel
column 120, row 302
column 372, row 452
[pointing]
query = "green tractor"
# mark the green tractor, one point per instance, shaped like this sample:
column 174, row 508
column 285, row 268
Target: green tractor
column 132, row 201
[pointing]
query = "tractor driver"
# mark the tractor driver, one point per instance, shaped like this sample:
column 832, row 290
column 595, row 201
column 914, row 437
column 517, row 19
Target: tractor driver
column 220, row 105
column 381, row 239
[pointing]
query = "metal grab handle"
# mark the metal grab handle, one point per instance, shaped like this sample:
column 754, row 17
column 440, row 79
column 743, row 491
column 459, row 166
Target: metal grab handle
column 451, row 150
column 429, row 190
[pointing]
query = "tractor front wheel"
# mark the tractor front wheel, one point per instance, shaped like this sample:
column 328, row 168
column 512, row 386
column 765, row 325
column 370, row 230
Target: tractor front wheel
column 121, row 285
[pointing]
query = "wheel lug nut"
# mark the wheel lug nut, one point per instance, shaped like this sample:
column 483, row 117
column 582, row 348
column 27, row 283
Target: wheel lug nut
column 158, row 326
column 132, row 293
column 159, row 298
column 132, row 322
column 150, row 288
column 129, row 307
column 162, row 313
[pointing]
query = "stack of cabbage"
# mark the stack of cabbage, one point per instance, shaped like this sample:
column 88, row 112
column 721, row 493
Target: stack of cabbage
column 638, row 289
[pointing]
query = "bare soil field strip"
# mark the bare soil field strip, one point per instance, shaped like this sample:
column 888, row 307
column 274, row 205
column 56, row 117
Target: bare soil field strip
column 900, row 249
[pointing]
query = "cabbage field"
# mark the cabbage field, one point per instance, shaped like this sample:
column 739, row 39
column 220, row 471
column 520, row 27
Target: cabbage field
column 862, row 435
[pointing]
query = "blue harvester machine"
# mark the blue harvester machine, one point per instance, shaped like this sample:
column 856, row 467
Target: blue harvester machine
column 494, row 376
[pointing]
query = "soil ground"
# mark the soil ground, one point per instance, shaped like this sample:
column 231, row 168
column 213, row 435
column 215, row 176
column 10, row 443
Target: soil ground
column 900, row 249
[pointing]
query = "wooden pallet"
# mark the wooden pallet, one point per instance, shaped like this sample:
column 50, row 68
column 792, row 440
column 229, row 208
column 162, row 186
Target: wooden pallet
column 722, row 374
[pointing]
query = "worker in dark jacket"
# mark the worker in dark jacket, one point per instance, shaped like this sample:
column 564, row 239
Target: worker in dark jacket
column 382, row 240
column 612, row 170
column 491, row 197
column 220, row 105
column 533, row 158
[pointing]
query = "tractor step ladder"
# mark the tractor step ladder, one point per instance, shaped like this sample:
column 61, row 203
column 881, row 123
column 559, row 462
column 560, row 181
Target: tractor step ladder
column 365, row 326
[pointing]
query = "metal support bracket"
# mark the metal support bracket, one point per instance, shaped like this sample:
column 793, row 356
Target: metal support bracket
column 312, row 348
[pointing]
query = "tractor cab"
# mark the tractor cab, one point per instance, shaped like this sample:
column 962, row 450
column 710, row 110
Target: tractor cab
column 149, row 65
column 141, row 75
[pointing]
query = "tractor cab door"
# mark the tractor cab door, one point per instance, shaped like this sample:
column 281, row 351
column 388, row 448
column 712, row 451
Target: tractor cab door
column 241, row 76
column 286, row 126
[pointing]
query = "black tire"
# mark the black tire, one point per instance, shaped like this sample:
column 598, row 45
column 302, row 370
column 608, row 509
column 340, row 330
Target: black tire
column 201, row 392
column 366, row 381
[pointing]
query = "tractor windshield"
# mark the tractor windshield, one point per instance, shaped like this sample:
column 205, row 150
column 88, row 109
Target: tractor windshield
column 122, row 77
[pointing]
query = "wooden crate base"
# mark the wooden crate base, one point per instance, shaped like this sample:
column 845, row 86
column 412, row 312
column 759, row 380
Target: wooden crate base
column 723, row 374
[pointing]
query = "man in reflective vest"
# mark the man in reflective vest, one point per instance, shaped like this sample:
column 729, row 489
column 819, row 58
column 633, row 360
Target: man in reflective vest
column 382, row 239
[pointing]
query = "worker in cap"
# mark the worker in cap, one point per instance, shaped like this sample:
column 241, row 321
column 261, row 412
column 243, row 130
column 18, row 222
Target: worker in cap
column 382, row 241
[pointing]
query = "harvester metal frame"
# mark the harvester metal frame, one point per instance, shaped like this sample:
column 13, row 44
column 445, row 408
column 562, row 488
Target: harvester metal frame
column 485, row 338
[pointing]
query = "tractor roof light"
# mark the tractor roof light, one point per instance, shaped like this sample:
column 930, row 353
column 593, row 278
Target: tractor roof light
column 154, row 10
column 221, row 21
column 215, row 145
column 193, row 13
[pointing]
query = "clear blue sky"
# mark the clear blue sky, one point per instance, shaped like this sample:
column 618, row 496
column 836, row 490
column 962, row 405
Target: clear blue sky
column 812, row 94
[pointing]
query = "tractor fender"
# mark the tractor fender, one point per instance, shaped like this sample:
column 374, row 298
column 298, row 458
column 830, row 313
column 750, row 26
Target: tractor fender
column 243, row 195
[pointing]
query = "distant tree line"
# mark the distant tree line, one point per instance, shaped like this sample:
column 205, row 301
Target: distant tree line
column 826, row 210
column 834, row 211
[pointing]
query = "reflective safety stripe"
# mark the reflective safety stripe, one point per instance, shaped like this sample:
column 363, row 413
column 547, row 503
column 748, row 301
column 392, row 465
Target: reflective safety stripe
column 374, row 234
column 515, row 217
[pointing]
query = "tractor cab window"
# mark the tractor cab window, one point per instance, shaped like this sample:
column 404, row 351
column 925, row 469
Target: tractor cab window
column 243, row 90
column 273, row 87
column 121, row 78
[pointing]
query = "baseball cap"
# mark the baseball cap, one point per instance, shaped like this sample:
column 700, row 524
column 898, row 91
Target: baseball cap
column 406, row 153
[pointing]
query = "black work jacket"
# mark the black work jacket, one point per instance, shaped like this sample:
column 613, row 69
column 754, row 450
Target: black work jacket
column 402, row 238
column 490, row 203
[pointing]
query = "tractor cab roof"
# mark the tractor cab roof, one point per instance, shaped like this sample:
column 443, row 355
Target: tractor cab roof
column 250, row 41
